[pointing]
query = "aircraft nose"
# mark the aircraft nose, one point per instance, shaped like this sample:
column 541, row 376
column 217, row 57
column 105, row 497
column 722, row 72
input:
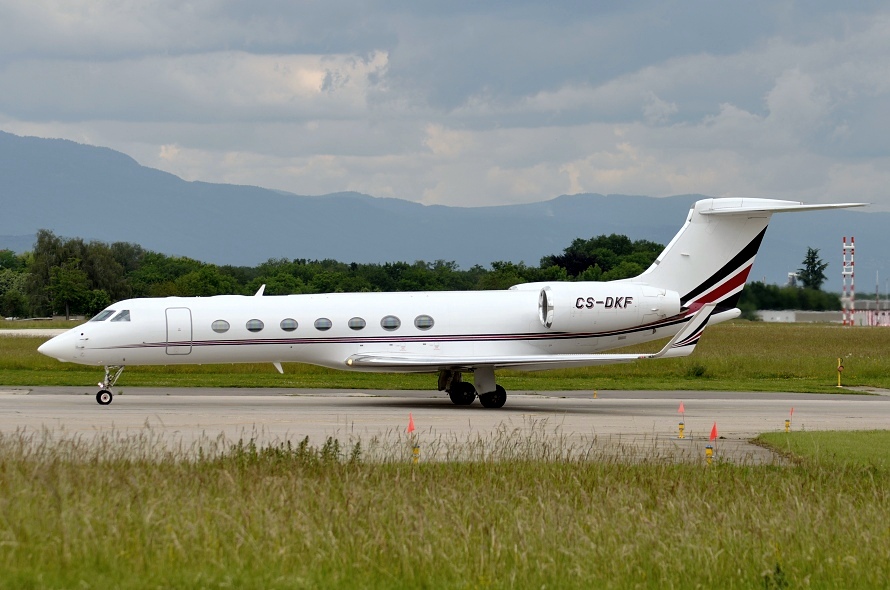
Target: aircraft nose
column 57, row 347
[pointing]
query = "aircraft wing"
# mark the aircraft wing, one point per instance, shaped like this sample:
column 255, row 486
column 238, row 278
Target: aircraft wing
column 682, row 344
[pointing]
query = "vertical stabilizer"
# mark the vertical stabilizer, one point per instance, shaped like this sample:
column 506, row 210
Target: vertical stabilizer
column 709, row 260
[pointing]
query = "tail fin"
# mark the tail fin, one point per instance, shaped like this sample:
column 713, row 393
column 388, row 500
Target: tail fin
column 708, row 261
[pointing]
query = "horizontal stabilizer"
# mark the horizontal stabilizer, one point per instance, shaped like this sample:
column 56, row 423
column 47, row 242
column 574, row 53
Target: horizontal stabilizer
column 682, row 344
column 740, row 206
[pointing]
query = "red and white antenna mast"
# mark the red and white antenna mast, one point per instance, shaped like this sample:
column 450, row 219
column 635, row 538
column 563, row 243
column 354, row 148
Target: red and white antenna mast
column 848, row 302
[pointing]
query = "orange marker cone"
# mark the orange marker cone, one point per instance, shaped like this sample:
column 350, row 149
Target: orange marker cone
column 714, row 432
column 410, row 423
column 681, row 409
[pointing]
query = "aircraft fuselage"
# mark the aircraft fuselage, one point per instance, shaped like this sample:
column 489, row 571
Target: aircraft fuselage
column 328, row 329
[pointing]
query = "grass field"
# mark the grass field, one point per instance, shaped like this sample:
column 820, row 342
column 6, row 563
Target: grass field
column 842, row 449
column 38, row 324
column 118, row 514
column 746, row 356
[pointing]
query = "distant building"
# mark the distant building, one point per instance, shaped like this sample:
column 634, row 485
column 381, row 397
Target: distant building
column 867, row 313
column 798, row 316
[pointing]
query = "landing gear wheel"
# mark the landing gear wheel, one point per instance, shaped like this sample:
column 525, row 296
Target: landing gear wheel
column 112, row 373
column 462, row 393
column 495, row 399
column 104, row 397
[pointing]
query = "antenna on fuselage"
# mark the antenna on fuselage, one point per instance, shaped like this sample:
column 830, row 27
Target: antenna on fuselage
column 260, row 292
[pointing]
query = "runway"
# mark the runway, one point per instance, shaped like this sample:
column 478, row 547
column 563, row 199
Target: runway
column 632, row 424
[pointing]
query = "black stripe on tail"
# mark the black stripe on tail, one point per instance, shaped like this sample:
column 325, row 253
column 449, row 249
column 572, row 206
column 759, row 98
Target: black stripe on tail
column 726, row 271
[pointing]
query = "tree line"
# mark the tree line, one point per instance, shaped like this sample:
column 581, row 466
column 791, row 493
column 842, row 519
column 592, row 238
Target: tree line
column 71, row 276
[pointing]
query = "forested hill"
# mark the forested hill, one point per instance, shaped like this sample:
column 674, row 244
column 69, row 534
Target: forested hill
column 69, row 275
column 96, row 193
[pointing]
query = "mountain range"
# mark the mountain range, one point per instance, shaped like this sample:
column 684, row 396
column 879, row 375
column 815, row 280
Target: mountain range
column 97, row 193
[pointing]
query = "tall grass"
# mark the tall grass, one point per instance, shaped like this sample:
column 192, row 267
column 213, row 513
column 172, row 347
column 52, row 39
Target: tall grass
column 737, row 355
column 122, row 512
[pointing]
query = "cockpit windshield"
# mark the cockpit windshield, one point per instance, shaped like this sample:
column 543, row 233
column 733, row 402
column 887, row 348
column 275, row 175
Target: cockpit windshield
column 123, row 316
column 103, row 315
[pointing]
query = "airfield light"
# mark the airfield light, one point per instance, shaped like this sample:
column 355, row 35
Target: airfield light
column 682, row 411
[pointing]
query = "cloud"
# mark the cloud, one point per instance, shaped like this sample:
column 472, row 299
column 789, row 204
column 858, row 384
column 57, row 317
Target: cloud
column 170, row 153
column 447, row 143
column 465, row 103
column 202, row 87
column 657, row 111
column 99, row 29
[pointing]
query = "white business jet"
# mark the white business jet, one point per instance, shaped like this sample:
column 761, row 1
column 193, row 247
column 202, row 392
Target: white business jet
column 695, row 281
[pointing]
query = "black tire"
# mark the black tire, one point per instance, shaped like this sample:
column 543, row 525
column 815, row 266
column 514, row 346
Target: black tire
column 462, row 393
column 104, row 397
column 495, row 399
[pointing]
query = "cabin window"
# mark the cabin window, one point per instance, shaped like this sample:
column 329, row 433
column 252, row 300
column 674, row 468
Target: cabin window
column 254, row 325
column 220, row 326
column 288, row 324
column 103, row 315
column 123, row 316
column 323, row 324
column 423, row 322
column 357, row 323
column 390, row 323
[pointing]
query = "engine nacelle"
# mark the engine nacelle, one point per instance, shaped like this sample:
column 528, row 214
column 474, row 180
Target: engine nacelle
column 598, row 307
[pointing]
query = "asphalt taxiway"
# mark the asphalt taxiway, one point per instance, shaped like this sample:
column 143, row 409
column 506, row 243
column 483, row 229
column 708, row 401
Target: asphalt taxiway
column 633, row 424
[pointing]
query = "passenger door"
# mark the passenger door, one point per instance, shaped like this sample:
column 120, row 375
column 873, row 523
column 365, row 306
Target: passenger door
column 179, row 330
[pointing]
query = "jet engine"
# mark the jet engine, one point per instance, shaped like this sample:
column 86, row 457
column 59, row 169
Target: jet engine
column 589, row 306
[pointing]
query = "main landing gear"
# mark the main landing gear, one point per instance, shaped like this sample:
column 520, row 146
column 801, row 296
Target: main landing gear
column 112, row 373
column 462, row 393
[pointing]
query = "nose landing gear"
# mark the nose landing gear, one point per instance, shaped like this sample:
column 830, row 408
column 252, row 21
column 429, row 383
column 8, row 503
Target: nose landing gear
column 112, row 372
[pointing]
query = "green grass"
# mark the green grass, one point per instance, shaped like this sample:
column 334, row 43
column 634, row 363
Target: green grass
column 746, row 356
column 866, row 449
column 38, row 324
column 119, row 513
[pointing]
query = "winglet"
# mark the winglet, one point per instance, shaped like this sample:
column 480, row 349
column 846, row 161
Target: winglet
column 685, row 340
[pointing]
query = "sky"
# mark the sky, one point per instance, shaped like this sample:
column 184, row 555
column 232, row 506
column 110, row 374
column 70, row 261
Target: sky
column 467, row 103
